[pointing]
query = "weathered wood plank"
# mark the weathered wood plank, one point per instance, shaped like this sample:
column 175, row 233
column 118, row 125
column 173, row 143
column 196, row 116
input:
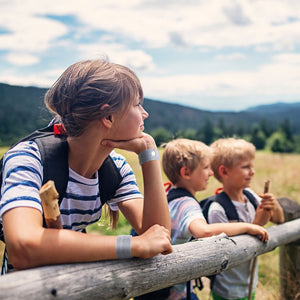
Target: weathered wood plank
column 128, row 278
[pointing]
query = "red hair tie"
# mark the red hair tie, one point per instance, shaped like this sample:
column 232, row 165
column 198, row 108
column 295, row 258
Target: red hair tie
column 59, row 129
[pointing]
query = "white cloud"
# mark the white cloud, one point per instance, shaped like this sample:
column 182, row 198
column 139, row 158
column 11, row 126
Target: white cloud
column 117, row 53
column 280, row 77
column 232, row 56
column 29, row 80
column 29, row 33
column 21, row 59
column 206, row 23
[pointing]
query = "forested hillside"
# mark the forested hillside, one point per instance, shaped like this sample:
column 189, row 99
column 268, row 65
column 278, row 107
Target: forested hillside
column 22, row 110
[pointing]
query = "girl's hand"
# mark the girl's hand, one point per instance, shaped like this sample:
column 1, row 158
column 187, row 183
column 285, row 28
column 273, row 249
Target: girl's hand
column 258, row 230
column 152, row 242
column 137, row 145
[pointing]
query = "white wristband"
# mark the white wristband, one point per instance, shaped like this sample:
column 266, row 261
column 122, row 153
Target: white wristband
column 148, row 155
column 123, row 246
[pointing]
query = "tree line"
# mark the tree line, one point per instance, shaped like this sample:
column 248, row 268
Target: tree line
column 262, row 135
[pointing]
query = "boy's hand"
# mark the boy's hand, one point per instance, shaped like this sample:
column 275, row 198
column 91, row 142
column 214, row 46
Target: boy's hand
column 268, row 202
column 258, row 230
column 271, row 205
column 152, row 242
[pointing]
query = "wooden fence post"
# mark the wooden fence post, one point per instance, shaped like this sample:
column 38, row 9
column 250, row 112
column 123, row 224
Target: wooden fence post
column 289, row 256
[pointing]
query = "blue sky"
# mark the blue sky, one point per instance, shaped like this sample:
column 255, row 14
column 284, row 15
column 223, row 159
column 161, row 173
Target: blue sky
column 213, row 54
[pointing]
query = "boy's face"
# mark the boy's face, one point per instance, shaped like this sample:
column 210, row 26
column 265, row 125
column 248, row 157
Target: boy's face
column 200, row 176
column 241, row 174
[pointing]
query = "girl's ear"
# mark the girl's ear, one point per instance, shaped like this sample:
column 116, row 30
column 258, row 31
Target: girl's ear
column 185, row 172
column 106, row 121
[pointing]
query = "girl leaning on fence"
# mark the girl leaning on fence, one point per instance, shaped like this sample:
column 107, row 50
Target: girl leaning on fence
column 100, row 105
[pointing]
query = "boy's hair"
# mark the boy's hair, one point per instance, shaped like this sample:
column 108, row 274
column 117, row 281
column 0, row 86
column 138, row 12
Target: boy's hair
column 229, row 152
column 81, row 91
column 183, row 153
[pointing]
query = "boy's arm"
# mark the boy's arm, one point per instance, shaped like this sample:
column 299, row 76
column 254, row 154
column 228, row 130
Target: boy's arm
column 199, row 228
column 262, row 216
column 219, row 221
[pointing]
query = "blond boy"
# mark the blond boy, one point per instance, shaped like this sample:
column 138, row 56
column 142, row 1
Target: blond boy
column 232, row 164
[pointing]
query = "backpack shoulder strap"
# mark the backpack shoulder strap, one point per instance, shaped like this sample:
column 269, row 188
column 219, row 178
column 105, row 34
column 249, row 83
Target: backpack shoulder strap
column 109, row 179
column 54, row 155
column 205, row 204
column 251, row 198
column 177, row 193
column 224, row 201
column 230, row 210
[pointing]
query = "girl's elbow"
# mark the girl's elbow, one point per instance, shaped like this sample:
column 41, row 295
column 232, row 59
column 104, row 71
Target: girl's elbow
column 21, row 254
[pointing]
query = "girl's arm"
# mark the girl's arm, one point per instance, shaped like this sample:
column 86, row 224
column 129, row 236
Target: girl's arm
column 154, row 208
column 199, row 229
column 30, row 245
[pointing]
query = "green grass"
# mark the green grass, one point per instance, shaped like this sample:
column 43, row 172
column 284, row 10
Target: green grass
column 3, row 150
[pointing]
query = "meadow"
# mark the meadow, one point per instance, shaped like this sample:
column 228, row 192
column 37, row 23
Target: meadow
column 283, row 172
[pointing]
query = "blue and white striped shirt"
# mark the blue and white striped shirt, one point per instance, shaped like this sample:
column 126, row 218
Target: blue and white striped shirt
column 81, row 206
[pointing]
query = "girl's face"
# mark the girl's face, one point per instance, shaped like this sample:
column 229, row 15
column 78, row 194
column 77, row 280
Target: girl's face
column 200, row 176
column 130, row 124
column 242, row 174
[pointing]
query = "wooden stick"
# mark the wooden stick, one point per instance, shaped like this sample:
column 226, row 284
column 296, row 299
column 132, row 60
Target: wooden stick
column 253, row 267
column 49, row 197
column 266, row 187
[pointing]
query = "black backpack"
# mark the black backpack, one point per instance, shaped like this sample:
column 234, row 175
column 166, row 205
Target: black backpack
column 53, row 146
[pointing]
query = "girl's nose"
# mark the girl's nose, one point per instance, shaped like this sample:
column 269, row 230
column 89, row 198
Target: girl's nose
column 145, row 115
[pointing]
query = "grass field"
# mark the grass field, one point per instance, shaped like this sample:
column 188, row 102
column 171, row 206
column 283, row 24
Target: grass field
column 283, row 172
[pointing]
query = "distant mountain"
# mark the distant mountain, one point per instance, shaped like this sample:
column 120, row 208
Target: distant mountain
column 275, row 108
column 22, row 110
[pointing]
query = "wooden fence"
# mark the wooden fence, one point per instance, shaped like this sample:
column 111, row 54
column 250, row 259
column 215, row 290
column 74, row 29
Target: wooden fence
column 124, row 279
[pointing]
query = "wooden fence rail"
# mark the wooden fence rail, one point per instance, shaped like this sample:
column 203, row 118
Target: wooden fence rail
column 123, row 279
